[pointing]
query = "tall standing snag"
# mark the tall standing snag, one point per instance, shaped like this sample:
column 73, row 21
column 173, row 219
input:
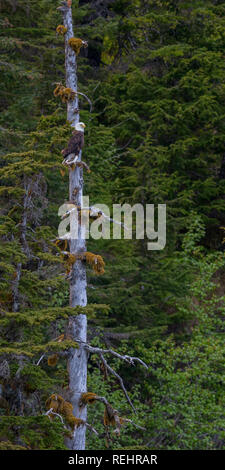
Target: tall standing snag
column 76, row 271
column 77, row 362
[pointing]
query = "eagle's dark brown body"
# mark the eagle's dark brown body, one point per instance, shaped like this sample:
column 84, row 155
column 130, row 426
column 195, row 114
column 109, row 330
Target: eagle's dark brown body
column 75, row 144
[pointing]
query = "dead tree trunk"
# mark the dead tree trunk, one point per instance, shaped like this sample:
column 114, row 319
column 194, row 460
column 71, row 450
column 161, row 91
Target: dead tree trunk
column 77, row 363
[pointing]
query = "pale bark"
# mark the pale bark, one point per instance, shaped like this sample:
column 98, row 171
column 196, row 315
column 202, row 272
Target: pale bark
column 77, row 363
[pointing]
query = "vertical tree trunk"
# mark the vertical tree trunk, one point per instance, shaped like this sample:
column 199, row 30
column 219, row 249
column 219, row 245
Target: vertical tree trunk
column 27, row 184
column 77, row 363
column 24, row 244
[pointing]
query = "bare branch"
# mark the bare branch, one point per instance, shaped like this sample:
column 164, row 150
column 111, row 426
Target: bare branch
column 91, row 428
column 130, row 360
column 113, row 372
column 100, row 352
column 94, row 210
column 134, row 424
column 113, row 415
column 51, row 412
column 72, row 159
column 79, row 93
column 88, row 99
column 39, row 361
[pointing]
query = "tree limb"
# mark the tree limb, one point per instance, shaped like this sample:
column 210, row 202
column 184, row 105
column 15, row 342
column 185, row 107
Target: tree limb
column 113, row 414
column 50, row 411
column 129, row 359
column 113, row 372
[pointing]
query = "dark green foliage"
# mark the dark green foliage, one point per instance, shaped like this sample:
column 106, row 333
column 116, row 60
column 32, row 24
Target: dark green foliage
column 33, row 433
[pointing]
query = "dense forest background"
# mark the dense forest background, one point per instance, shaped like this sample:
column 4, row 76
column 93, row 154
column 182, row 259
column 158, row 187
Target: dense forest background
column 155, row 73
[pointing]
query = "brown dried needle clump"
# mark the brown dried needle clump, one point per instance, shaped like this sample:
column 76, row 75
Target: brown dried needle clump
column 61, row 244
column 88, row 398
column 111, row 418
column 68, row 260
column 96, row 262
column 58, row 405
column 61, row 29
column 52, row 360
column 76, row 44
column 66, row 94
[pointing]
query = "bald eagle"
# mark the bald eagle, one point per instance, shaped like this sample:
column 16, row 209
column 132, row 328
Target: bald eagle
column 75, row 144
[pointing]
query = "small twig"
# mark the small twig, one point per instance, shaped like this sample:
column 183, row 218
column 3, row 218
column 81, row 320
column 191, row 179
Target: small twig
column 122, row 122
column 134, row 424
column 129, row 359
column 95, row 88
column 96, row 210
column 83, row 165
column 113, row 372
column 91, row 428
column 42, row 357
column 88, row 99
column 126, row 145
column 50, row 411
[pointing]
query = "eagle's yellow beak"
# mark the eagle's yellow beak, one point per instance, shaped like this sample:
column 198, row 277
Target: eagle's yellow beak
column 83, row 125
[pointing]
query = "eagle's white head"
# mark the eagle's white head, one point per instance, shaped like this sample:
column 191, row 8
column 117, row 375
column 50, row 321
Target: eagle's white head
column 80, row 127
